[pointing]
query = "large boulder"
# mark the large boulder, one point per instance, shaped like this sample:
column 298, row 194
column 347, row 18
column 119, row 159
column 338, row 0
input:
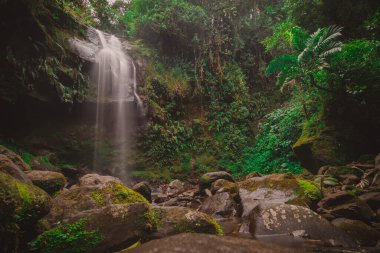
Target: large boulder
column 175, row 220
column 276, row 188
column 16, row 159
column 92, row 192
column 120, row 215
column 277, row 219
column 360, row 232
column 201, row 243
column 316, row 148
column 110, row 228
column 50, row 181
column 207, row 179
column 21, row 206
column 9, row 167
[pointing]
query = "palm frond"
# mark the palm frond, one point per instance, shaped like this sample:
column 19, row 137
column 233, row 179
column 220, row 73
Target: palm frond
column 281, row 63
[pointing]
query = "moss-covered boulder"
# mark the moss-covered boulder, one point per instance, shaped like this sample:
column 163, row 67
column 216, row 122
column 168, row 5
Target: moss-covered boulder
column 207, row 179
column 277, row 188
column 21, row 206
column 92, row 192
column 120, row 215
column 16, row 159
column 175, row 220
column 49, row 181
column 7, row 166
column 102, row 230
column 316, row 148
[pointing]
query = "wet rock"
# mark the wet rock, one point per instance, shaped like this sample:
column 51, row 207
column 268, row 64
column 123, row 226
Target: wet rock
column 207, row 179
column 220, row 205
column 21, row 206
column 176, row 187
column 50, row 181
column 272, row 219
column 144, row 189
column 360, row 232
column 175, row 220
column 16, row 159
column 7, row 166
column 201, row 243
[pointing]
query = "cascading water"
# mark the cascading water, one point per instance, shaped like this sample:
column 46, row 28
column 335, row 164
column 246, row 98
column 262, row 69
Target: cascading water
column 115, row 76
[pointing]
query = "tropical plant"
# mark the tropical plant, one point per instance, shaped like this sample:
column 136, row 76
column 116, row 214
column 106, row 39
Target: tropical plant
column 311, row 58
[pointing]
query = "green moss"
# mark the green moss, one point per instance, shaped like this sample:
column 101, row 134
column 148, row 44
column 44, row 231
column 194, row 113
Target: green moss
column 218, row 228
column 321, row 141
column 205, row 182
column 98, row 196
column 21, row 203
column 70, row 238
column 51, row 186
column 308, row 190
column 25, row 194
column 198, row 226
column 124, row 195
column 154, row 218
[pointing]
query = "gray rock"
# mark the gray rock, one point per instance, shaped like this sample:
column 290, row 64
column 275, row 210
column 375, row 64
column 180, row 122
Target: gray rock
column 176, row 187
column 277, row 219
column 220, row 204
column 360, row 232
column 201, row 243
column 98, row 181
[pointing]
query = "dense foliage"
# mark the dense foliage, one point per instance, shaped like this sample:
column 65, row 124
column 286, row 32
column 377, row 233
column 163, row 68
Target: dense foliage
column 210, row 75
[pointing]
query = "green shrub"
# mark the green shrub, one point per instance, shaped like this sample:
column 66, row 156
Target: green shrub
column 273, row 150
column 71, row 238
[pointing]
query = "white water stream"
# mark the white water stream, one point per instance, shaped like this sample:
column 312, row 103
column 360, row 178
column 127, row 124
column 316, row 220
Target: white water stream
column 115, row 76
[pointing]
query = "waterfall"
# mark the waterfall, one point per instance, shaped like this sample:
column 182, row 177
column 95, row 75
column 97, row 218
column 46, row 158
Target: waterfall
column 115, row 77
